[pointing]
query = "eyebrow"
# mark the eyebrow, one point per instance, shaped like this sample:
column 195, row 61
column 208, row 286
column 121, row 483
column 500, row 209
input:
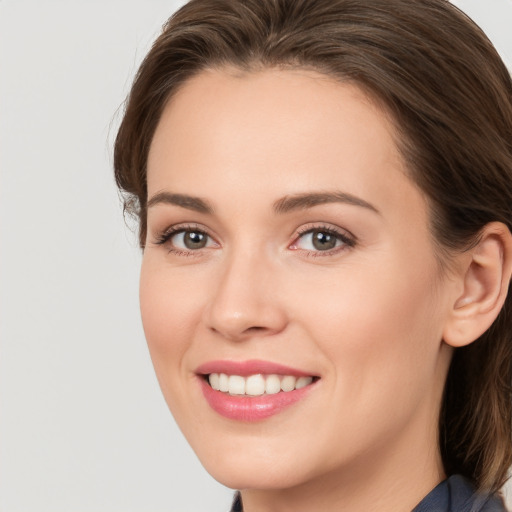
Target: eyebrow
column 309, row 200
column 284, row 205
column 185, row 201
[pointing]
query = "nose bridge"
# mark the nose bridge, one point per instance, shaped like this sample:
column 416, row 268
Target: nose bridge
column 243, row 303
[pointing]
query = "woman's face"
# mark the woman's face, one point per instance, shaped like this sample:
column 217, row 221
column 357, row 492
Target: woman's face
column 289, row 262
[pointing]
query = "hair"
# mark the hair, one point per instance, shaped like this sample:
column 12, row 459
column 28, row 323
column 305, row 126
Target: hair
column 450, row 97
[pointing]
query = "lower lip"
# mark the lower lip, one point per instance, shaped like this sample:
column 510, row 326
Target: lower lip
column 247, row 408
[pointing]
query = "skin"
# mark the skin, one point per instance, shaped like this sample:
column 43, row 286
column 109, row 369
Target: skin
column 367, row 317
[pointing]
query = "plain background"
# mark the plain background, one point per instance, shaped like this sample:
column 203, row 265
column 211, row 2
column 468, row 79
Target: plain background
column 83, row 426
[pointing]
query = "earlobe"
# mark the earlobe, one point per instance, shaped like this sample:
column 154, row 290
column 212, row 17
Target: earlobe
column 485, row 277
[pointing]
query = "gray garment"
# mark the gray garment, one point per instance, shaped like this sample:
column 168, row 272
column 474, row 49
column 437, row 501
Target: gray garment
column 455, row 494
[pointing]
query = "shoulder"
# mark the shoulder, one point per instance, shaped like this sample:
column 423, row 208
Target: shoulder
column 457, row 494
column 464, row 496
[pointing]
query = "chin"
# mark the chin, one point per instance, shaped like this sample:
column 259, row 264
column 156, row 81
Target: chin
column 251, row 474
column 259, row 461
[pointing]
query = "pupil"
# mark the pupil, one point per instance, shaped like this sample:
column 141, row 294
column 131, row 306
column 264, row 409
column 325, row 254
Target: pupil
column 323, row 241
column 195, row 240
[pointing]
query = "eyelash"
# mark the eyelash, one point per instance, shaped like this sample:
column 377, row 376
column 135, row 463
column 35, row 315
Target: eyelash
column 164, row 237
column 348, row 241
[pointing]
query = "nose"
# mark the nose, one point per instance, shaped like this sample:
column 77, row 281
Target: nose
column 245, row 301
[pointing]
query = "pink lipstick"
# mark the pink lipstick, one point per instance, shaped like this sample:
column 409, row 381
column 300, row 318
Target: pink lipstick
column 252, row 390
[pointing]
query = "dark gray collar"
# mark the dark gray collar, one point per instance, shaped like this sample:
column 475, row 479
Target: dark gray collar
column 455, row 494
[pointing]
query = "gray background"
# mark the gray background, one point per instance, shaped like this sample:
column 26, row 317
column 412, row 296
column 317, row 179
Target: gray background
column 83, row 426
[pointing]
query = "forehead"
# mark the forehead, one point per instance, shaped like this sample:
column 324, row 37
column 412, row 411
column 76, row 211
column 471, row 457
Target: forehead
column 292, row 130
column 267, row 107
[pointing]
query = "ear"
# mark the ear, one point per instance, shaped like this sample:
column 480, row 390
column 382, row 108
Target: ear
column 485, row 272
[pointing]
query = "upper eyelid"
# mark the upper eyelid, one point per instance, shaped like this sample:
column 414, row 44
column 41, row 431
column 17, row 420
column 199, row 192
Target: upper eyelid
column 187, row 226
column 325, row 227
column 348, row 240
column 163, row 236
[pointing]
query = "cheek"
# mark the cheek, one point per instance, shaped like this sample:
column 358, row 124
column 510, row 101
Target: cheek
column 381, row 334
column 169, row 315
column 380, row 329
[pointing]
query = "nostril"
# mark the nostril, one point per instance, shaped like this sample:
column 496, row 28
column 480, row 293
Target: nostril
column 248, row 332
column 255, row 329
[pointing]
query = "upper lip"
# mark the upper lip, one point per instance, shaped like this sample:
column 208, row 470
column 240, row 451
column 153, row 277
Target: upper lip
column 249, row 367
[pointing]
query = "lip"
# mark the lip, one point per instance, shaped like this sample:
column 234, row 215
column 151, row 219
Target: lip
column 246, row 408
column 250, row 367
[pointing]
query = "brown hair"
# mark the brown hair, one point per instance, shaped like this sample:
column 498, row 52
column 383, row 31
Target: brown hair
column 450, row 97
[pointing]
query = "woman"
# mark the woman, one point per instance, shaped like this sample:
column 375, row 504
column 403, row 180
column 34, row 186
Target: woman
column 324, row 196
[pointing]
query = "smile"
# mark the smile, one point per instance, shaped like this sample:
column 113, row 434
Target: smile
column 258, row 384
column 252, row 390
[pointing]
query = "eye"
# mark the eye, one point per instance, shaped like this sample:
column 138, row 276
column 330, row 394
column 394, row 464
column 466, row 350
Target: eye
column 184, row 240
column 189, row 240
column 322, row 240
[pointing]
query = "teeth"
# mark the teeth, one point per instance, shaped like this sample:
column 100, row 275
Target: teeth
column 223, row 383
column 272, row 385
column 288, row 383
column 214, row 381
column 256, row 385
column 236, row 385
column 302, row 382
